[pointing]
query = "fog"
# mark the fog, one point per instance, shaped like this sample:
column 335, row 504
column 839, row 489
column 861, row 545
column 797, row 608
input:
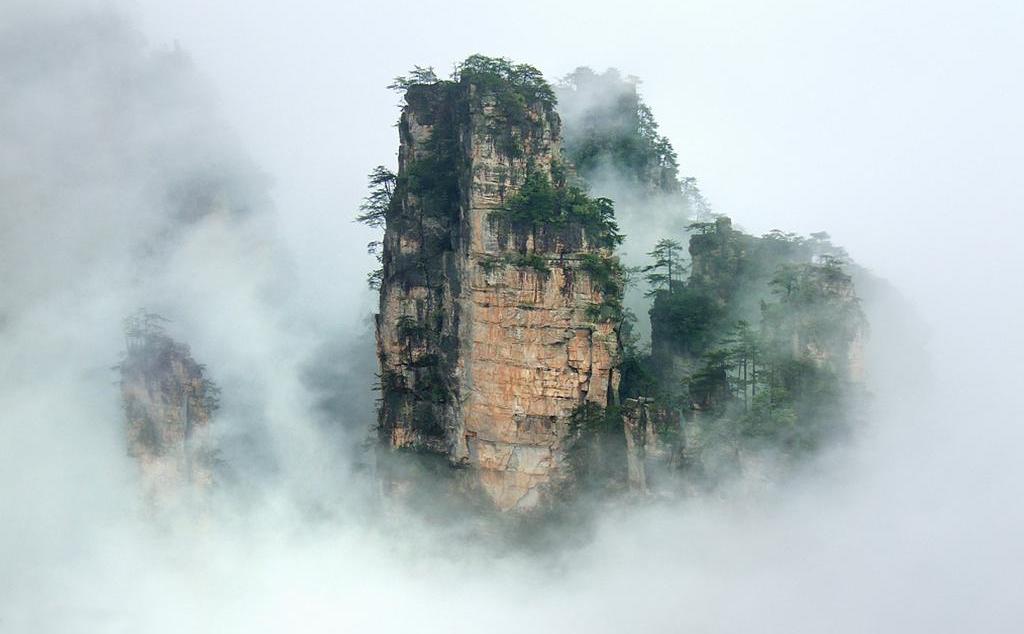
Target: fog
column 895, row 129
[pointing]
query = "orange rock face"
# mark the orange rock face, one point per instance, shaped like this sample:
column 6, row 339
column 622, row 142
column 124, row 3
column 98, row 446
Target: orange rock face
column 532, row 357
column 483, row 360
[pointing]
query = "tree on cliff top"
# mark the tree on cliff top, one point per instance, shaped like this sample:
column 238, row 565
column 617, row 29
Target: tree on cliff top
column 539, row 203
column 498, row 75
column 607, row 122
column 418, row 75
column 505, row 78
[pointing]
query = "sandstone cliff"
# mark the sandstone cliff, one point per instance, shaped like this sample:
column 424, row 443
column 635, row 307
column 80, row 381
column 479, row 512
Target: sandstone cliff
column 168, row 403
column 492, row 330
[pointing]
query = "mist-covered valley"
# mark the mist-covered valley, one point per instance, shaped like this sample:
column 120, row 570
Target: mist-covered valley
column 206, row 165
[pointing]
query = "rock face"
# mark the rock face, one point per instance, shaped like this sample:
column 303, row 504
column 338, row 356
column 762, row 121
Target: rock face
column 488, row 334
column 824, row 324
column 168, row 404
column 716, row 258
column 651, row 454
column 640, row 434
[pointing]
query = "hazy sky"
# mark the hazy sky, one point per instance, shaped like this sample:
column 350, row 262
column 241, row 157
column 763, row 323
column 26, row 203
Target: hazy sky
column 892, row 125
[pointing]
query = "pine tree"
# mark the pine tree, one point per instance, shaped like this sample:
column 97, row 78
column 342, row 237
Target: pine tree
column 666, row 267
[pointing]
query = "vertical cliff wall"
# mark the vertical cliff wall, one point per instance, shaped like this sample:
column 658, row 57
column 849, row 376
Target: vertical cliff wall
column 168, row 404
column 492, row 329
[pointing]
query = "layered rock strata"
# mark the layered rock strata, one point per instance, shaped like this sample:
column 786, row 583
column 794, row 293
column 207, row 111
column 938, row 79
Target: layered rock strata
column 488, row 338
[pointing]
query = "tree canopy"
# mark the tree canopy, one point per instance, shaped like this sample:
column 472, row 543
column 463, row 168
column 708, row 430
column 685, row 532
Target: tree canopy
column 540, row 202
column 665, row 267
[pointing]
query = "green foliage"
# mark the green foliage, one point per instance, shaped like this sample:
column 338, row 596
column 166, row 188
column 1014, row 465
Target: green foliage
column 639, row 378
column 529, row 261
column 815, row 307
column 757, row 340
column 787, row 395
column 431, row 385
column 516, row 89
column 744, row 353
column 373, row 212
column 154, row 357
column 434, row 176
column 490, row 264
column 418, row 75
column 708, row 387
column 428, row 383
column 797, row 408
column 540, row 203
column 144, row 328
column 606, row 276
column 392, row 382
column 209, row 394
column 662, row 273
column 499, row 74
column 605, row 272
column 536, row 202
column 559, row 173
column 375, row 207
column 597, row 447
column 375, row 278
column 702, row 228
column 590, row 418
column 408, row 327
column 608, row 123
column 608, row 310
column 596, row 215
column 778, row 400
column 771, row 418
column 686, row 319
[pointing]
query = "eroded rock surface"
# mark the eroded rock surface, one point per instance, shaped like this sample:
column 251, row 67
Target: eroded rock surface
column 168, row 403
column 484, row 354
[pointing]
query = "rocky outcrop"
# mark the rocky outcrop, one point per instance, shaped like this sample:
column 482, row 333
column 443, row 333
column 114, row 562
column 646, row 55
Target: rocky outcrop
column 490, row 332
column 822, row 321
column 717, row 252
column 652, row 444
column 168, row 403
column 639, row 433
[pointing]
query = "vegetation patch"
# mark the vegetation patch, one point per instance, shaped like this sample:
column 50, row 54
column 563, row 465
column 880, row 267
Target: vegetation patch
column 408, row 327
column 605, row 273
column 491, row 264
column 541, row 204
column 753, row 348
column 529, row 261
